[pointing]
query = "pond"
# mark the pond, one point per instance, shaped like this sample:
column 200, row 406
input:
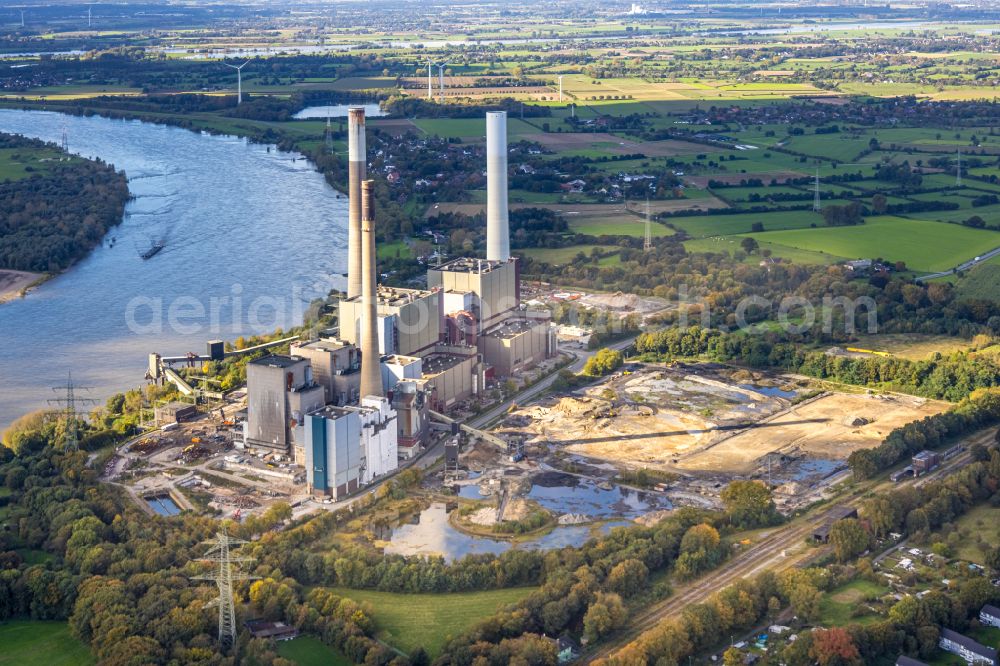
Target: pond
column 564, row 493
column 432, row 534
column 337, row 111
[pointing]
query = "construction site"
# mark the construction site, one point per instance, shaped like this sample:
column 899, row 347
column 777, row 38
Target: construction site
column 697, row 427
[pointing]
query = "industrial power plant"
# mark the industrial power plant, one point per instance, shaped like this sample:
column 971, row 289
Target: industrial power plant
column 348, row 407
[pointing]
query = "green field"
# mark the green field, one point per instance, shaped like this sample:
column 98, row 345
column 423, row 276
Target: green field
column 620, row 224
column 559, row 255
column 923, row 245
column 409, row 621
column 730, row 244
column 395, row 249
column 35, row 642
column 310, row 651
column 983, row 521
column 18, row 163
column 703, row 226
column 838, row 606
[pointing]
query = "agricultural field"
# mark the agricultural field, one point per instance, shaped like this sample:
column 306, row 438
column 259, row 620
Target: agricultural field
column 923, row 245
column 704, row 226
column 37, row 642
column 409, row 621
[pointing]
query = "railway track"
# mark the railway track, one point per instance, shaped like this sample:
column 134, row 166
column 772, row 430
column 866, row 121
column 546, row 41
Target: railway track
column 768, row 553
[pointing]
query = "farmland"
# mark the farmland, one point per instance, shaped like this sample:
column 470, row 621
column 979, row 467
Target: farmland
column 922, row 245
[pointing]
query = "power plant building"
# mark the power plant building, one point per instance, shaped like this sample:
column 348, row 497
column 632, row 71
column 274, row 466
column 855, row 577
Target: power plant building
column 518, row 344
column 409, row 320
column 490, row 288
column 335, row 365
column 280, row 391
column 349, row 447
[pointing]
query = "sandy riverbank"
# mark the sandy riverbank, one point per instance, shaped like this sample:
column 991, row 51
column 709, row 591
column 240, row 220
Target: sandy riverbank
column 12, row 283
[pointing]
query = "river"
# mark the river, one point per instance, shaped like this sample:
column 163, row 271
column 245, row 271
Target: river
column 251, row 236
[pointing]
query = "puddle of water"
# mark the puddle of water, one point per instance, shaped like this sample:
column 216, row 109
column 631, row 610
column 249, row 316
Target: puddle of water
column 770, row 391
column 807, row 468
column 163, row 505
column 337, row 111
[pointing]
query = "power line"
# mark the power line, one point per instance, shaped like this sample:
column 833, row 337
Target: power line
column 69, row 404
column 221, row 554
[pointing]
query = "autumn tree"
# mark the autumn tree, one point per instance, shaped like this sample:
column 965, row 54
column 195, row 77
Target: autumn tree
column 834, row 647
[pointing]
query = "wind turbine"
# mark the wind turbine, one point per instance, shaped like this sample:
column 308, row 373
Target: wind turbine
column 89, row 23
column 430, row 86
column 560, row 87
column 441, row 67
column 239, row 80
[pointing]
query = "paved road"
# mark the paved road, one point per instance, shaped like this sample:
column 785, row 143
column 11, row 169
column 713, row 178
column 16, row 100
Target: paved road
column 964, row 266
column 769, row 553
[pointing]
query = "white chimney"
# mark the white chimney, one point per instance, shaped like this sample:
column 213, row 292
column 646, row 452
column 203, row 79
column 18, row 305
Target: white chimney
column 497, row 223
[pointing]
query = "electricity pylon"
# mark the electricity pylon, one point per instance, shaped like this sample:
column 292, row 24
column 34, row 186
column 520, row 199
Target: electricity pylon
column 221, row 554
column 647, row 243
column 817, row 205
column 69, row 408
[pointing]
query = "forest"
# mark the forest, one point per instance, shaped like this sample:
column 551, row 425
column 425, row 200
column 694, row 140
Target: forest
column 52, row 219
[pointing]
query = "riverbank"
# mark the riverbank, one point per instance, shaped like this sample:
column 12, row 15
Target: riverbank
column 15, row 284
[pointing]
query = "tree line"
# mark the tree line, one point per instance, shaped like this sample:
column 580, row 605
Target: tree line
column 50, row 220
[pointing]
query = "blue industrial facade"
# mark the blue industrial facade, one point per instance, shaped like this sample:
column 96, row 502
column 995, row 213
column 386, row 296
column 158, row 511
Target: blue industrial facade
column 318, row 444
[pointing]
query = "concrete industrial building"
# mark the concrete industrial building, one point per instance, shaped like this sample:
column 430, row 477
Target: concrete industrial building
column 280, row 391
column 490, row 290
column 349, row 447
column 408, row 320
column 519, row 344
column 410, row 399
column 336, row 367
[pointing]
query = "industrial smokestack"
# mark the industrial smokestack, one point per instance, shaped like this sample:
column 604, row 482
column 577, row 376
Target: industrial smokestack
column 371, row 368
column 497, row 224
column 356, row 167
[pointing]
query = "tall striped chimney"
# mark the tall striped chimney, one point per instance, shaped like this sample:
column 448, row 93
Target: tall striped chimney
column 497, row 224
column 371, row 367
column 356, row 167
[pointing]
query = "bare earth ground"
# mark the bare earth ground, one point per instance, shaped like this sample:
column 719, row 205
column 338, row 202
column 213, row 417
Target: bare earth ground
column 819, row 428
column 12, row 282
column 713, row 420
column 654, row 417
column 737, row 178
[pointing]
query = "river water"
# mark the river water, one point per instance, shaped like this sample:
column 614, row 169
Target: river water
column 251, row 236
